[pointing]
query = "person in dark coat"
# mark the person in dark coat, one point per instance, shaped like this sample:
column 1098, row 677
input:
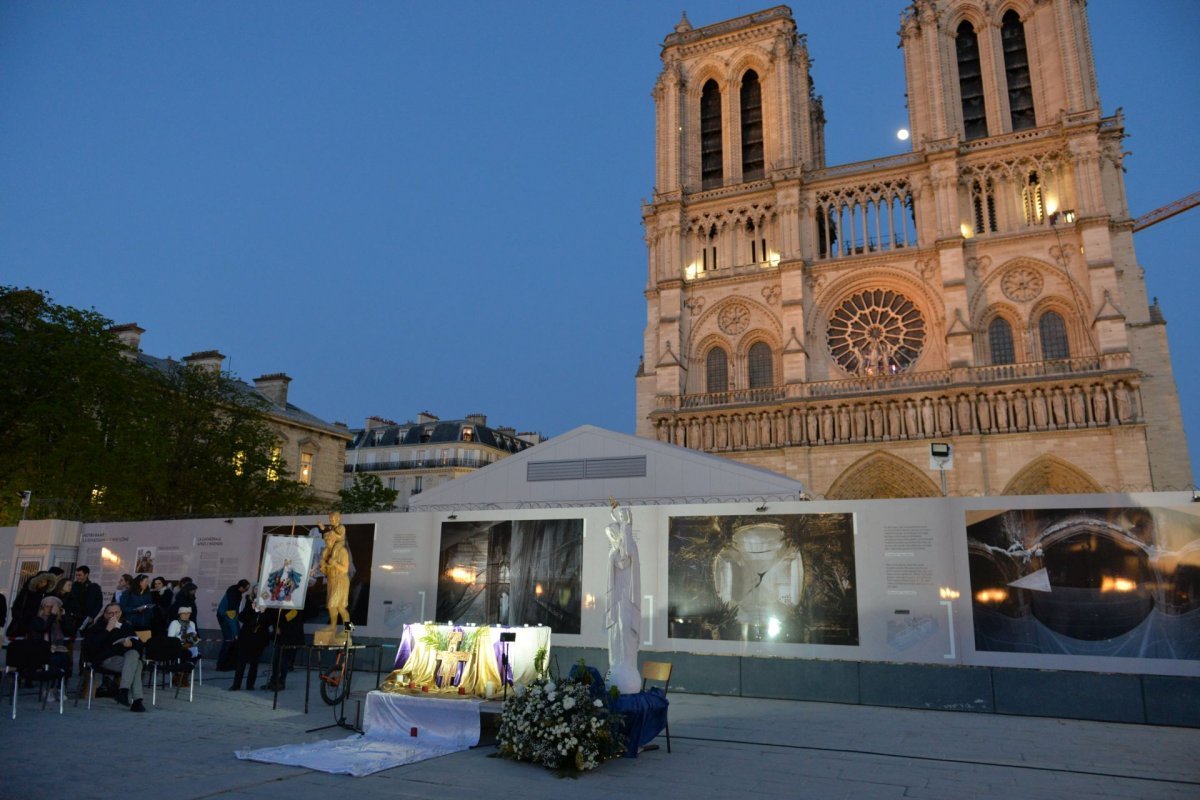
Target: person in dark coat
column 86, row 596
column 160, row 590
column 114, row 645
column 28, row 602
column 137, row 604
column 289, row 629
column 252, row 640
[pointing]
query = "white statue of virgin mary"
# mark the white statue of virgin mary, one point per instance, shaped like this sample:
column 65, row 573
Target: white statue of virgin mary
column 624, row 602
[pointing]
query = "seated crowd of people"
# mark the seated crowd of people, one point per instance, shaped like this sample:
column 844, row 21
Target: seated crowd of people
column 58, row 623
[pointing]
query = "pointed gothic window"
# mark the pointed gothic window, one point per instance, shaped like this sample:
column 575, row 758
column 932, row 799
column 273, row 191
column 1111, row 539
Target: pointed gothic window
column 1053, row 332
column 970, row 82
column 983, row 203
column 716, row 371
column 761, row 366
column 752, row 127
column 1000, row 340
column 711, row 156
column 1032, row 200
column 1016, row 72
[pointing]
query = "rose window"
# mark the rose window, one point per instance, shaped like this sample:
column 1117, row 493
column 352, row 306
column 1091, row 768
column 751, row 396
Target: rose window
column 876, row 332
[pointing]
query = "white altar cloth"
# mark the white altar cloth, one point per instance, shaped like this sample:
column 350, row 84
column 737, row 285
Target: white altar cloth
column 442, row 726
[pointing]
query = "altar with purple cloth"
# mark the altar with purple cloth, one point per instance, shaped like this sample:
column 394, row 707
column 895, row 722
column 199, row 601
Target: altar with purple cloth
column 473, row 660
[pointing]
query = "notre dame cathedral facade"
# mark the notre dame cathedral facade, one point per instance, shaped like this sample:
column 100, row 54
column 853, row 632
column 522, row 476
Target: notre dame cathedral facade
column 830, row 323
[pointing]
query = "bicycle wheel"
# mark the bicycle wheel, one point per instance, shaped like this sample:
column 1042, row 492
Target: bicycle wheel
column 335, row 685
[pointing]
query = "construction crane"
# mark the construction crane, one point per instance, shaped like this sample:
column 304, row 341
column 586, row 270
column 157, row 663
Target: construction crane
column 1166, row 212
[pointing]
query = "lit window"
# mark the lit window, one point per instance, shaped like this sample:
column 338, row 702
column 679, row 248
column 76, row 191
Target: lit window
column 273, row 469
column 1031, row 200
column 306, row 467
column 1000, row 340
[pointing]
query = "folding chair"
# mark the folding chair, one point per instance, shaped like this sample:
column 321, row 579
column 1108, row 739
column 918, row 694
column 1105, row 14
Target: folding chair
column 659, row 672
column 32, row 657
column 91, row 669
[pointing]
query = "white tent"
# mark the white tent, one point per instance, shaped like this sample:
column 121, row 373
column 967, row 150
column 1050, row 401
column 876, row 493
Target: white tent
column 587, row 465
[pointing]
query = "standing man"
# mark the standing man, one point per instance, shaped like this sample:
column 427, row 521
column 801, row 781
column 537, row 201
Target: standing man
column 87, row 601
column 88, row 597
column 227, row 615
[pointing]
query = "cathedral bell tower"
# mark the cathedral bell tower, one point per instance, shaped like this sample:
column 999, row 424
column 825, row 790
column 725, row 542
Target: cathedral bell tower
column 828, row 323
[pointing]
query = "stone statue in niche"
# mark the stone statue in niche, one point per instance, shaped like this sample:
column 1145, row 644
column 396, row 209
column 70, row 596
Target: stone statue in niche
column 966, row 414
column 1124, row 402
column 1099, row 405
column 1040, row 416
column 1020, row 409
column 1078, row 408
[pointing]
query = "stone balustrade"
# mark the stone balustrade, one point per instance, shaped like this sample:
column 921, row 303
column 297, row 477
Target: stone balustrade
column 1046, row 406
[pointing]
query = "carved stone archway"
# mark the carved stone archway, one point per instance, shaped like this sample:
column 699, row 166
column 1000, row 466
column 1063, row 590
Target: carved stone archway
column 1049, row 474
column 881, row 476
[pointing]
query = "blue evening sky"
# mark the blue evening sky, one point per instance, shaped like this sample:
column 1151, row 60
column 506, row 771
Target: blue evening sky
column 410, row 206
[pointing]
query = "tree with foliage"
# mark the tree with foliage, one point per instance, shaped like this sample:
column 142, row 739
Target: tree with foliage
column 367, row 494
column 98, row 434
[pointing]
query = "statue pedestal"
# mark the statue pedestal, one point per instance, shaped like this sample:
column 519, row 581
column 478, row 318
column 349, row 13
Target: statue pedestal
column 328, row 638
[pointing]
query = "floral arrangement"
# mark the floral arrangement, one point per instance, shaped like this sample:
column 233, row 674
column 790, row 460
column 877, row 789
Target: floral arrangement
column 560, row 724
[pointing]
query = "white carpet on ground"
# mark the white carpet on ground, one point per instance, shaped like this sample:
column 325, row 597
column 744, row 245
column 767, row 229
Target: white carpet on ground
column 441, row 727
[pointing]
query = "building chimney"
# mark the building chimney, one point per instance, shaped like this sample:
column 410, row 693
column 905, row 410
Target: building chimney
column 478, row 419
column 210, row 360
column 273, row 387
column 130, row 337
column 377, row 422
column 425, row 416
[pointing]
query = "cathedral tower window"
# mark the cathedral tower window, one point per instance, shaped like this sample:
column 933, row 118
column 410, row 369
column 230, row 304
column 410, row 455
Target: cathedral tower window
column 983, row 206
column 1016, row 72
column 1032, row 203
column 716, row 371
column 758, row 243
column 711, row 156
column 761, row 367
column 1000, row 341
column 752, row 127
column 1053, row 333
column 970, row 82
column 709, row 248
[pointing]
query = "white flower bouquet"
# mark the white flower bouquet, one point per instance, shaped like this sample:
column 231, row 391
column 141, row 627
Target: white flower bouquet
column 560, row 725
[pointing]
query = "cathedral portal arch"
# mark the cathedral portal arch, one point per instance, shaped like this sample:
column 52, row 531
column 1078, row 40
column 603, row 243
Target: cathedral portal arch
column 1049, row 474
column 881, row 475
